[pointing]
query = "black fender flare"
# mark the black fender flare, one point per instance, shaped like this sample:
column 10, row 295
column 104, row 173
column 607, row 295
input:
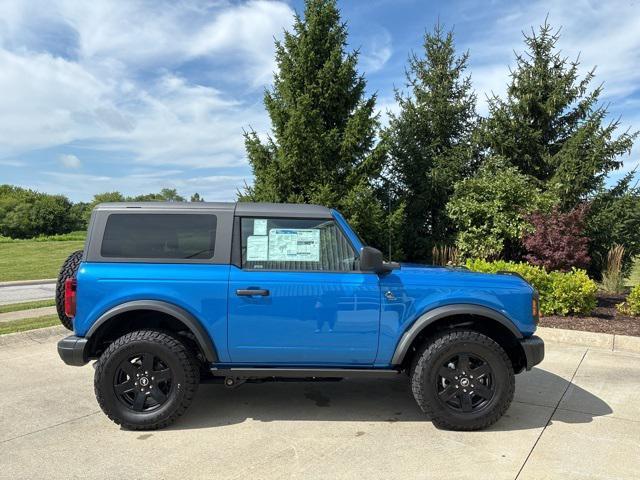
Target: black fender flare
column 192, row 323
column 438, row 313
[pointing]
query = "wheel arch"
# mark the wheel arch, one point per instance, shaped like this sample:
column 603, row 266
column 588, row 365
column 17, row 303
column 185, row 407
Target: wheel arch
column 139, row 314
column 475, row 317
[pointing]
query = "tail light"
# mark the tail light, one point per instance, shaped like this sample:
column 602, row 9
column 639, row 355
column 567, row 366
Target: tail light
column 70, row 285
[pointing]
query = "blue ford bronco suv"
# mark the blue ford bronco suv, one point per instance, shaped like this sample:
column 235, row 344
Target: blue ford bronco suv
column 165, row 295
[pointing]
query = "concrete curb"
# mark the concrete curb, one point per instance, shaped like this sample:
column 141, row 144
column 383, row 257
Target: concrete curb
column 608, row 341
column 21, row 283
column 39, row 335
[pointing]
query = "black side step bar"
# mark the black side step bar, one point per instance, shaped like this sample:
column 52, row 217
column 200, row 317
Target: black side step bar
column 240, row 372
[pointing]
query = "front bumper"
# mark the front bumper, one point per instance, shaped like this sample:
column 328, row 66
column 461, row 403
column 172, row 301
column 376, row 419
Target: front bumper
column 533, row 348
column 73, row 350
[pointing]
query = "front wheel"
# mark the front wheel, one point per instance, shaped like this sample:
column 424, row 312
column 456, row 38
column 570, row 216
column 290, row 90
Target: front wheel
column 145, row 380
column 463, row 380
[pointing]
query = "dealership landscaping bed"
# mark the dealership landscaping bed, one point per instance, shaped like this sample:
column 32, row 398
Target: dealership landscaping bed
column 604, row 319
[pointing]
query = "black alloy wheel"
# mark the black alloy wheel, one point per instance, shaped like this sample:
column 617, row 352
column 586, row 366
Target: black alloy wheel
column 465, row 383
column 143, row 383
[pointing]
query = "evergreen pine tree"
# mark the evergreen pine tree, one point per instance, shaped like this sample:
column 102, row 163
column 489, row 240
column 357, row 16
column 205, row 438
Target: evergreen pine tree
column 322, row 146
column 551, row 126
column 429, row 141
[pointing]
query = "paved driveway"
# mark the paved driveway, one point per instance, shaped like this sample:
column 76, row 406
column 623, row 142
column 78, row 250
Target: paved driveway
column 578, row 416
column 26, row 293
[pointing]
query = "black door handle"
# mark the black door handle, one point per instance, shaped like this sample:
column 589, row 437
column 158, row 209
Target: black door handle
column 252, row 292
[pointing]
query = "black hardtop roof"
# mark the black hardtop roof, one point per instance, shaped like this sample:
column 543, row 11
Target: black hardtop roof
column 244, row 209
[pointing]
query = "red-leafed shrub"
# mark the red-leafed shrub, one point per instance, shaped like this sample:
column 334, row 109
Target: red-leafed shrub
column 557, row 241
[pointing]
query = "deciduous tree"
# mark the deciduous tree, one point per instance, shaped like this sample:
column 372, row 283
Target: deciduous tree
column 557, row 240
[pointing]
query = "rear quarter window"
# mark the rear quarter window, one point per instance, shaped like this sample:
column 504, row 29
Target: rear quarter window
column 159, row 236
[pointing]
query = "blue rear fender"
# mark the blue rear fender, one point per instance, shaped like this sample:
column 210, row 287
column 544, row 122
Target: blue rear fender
column 200, row 290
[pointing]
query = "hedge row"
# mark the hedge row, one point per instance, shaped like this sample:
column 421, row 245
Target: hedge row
column 63, row 237
column 561, row 293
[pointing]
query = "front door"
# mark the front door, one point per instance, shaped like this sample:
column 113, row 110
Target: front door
column 299, row 298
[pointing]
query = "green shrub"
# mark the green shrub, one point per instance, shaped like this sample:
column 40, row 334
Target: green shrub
column 489, row 210
column 632, row 305
column 572, row 293
column 561, row 293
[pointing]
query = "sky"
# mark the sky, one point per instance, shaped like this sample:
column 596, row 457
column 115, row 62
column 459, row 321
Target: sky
column 136, row 96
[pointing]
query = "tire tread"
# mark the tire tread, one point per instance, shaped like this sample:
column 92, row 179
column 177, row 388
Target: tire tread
column 421, row 361
column 185, row 359
column 69, row 270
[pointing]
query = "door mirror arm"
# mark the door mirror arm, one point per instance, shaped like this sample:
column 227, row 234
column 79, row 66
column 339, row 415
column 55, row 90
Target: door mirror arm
column 371, row 261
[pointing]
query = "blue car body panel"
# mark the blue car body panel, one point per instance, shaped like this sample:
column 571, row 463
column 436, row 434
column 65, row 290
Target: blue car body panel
column 308, row 318
column 417, row 289
column 200, row 289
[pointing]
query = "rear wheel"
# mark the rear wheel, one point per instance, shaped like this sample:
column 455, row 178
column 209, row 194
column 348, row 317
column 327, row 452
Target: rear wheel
column 464, row 380
column 145, row 380
column 69, row 270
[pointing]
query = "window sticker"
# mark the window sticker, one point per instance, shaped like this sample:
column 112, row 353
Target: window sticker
column 259, row 226
column 257, row 248
column 294, row 244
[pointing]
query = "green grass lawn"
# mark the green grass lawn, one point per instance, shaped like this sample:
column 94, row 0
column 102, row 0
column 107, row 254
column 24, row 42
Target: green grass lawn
column 634, row 277
column 16, row 307
column 32, row 260
column 28, row 324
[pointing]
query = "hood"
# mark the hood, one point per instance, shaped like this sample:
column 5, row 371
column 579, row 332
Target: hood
column 413, row 273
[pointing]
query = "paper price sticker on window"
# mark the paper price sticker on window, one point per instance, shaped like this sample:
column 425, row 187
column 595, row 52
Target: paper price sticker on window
column 260, row 226
column 257, row 248
column 294, row 244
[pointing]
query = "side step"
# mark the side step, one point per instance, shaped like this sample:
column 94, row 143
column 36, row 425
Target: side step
column 241, row 372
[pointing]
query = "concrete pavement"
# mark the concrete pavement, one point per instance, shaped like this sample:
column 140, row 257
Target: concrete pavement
column 25, row 293
column 577, row 416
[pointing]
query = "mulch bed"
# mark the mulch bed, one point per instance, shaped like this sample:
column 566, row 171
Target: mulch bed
column 604, row 319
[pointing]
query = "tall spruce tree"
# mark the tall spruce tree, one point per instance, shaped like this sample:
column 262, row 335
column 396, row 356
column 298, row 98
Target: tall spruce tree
column 429, row 141
column 323, row 143
column 551, row 125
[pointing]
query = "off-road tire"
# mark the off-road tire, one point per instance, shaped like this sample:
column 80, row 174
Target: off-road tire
column 172, row 352
column 424, row 379
column 69, row 270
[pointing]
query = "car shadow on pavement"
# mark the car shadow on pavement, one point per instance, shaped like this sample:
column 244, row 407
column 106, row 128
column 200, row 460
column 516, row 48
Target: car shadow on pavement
column 371, row 400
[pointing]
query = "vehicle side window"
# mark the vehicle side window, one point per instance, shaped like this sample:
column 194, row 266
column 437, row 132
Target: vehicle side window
column 159, row 236
column 296, row 245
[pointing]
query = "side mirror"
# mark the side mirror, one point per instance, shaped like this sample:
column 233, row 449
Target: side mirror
column 371, row 261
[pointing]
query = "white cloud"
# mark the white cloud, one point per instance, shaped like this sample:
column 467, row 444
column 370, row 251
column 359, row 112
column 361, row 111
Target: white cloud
column 377, row 52
column 108, row 77
column 246, row 30
column 44, row 101
column 69, row 161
